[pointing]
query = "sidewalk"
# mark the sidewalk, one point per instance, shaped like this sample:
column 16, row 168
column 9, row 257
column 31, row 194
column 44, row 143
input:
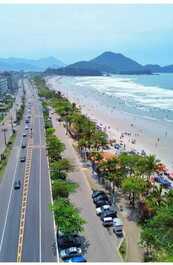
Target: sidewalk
column 132, row 230
column 100, row 244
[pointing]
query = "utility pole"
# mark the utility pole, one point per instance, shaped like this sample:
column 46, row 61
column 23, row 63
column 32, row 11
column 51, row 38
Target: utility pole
column 11, row 119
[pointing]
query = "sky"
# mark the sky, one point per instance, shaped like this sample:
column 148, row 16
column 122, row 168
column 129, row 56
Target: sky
column 80, row 32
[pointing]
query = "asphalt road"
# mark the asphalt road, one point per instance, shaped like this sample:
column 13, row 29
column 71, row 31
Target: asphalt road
column 100, row 243
column 10, row 201
column 39, row 232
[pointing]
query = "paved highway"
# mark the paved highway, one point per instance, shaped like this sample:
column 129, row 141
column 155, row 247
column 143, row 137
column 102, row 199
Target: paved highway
column 10, row 201
column 38, row 233
column 39, row 236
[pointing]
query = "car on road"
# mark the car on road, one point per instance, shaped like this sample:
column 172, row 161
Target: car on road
column 26, row 128
column 107, row 221
column 76, row 259
column 23, row 145
column 22, row 159
column 24, row 134
column 70, row 252
column 17, row 185
column 100, row 210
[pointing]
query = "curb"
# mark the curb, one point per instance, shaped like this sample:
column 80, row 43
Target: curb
column 50, row 185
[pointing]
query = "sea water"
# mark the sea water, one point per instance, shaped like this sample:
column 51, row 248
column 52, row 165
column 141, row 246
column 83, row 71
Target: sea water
column 147, row 95
column 144, row 101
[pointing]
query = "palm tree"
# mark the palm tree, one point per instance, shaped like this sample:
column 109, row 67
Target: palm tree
column 150, row 165
column 111, row 171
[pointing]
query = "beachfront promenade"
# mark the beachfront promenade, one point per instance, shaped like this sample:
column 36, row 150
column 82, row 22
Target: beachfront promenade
column 101, row 244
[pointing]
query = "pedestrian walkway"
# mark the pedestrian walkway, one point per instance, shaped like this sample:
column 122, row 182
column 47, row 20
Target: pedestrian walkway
column 100, row 244
column 132, row 230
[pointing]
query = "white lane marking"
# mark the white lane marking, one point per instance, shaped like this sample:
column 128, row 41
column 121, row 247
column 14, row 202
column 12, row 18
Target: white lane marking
column 40, row 253
column 11, row 191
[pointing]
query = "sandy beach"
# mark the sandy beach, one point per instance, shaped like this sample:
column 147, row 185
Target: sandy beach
column 154, row 136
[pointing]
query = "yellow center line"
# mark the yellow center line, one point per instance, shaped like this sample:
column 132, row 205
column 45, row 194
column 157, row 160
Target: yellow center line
column 24, row 199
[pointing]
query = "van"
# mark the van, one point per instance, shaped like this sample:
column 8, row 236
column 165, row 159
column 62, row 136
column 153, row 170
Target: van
column 107, row 221
column 118, row 226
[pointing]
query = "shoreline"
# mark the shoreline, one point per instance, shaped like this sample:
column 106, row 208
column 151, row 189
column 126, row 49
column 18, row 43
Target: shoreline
column 149, row 135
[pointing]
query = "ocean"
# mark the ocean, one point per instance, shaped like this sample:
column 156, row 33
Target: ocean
column 147, row 95
column 141, row 105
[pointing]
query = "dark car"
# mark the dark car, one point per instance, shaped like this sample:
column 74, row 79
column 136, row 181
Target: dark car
column 109, row 213
column 17, row 185
column 22, row 159
column 100, row 197
column 69, row 241
column 23, row 145
column 102, row 202
column 97, row 193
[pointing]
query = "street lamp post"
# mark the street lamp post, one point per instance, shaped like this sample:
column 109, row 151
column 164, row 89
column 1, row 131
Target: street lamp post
column 5, row 140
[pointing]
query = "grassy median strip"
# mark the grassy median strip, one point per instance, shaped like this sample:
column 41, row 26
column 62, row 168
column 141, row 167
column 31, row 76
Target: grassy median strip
column 67, row 216
column 123, row 250
column 5, row 155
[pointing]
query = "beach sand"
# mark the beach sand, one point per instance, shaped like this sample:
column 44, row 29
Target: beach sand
column 153, row 136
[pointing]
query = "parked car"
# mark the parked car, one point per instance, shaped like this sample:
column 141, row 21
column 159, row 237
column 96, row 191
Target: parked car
column 76, row 259
column 100, row 197
column 97, row 193
column 107, row 221
column 102, row 202
column 109, row 213
column 68, row 241
column 100, row 210
column 70, row 252
column 118, row 226
column 22, row 159
column 17, row 185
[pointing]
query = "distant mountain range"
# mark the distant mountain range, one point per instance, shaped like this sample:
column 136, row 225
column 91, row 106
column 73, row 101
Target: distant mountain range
column 109, row 63
column 18, row 64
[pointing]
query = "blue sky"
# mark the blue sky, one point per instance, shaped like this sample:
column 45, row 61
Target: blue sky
column 79, row 32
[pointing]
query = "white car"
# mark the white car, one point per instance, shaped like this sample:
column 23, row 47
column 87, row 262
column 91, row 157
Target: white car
column 70, row 252
column 101, row 209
